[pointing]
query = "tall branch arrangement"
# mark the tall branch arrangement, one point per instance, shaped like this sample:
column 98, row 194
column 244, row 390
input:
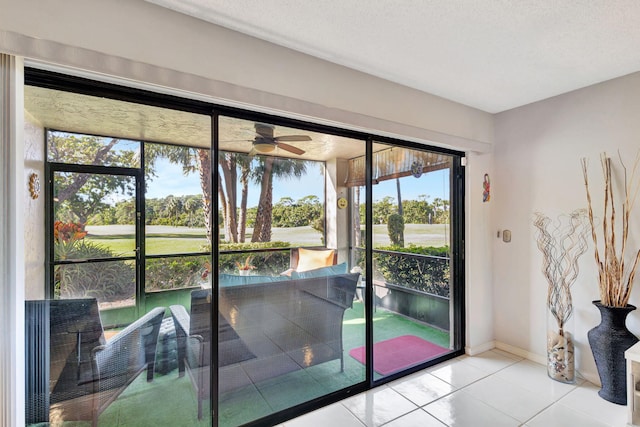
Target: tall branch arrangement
column 615, row 276
column 561, row 244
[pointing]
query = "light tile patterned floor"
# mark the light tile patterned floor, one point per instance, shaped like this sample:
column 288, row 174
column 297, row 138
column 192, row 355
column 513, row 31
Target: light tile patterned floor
column 489, row 390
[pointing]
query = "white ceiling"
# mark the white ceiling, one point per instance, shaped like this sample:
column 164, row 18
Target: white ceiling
column 490, row 54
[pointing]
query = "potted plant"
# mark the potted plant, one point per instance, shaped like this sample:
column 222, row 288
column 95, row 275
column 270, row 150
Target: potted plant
column 245, row 268
column 561, row 242
column 616, row 271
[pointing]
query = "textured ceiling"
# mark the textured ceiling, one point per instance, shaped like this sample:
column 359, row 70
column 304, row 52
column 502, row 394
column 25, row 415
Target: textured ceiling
column 490, row 54
column 73, row 112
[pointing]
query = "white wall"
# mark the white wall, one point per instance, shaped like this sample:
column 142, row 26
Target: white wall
column 479, row 239
column 34, row 209
column 537, row 168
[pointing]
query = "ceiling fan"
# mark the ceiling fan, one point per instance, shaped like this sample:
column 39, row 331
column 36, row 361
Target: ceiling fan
column 265, row 142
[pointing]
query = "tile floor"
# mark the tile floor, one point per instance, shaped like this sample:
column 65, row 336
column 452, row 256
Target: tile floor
column 492, row 389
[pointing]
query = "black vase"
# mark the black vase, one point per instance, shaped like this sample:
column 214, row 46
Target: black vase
column 609, row 340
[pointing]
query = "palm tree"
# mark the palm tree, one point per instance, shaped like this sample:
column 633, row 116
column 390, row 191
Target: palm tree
column 263, row 174
column 192, row 160
column 191, row 205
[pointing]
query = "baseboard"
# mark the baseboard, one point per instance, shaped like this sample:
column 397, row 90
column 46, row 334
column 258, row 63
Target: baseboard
column 477, row 349
column 592, row 378
column 522, row 353
column 537, row 358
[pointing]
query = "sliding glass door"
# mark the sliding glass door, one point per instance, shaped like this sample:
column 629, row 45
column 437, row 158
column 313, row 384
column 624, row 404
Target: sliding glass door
column 288, row 312
column 411, row 258
column 211, row 266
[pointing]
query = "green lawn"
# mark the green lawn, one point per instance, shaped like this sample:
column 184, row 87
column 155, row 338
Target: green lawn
column 155, row 245
column 166, row 240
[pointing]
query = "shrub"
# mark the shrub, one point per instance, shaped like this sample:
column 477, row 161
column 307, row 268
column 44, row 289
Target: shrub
column 174, row 272
column 395, row 227
column 424, row 268
column 265, row 263
column 106, row 281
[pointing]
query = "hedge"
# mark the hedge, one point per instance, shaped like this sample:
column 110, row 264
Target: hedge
column 423, row 268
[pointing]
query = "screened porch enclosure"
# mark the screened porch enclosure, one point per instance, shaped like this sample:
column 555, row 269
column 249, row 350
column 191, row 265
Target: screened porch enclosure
column 258, row 264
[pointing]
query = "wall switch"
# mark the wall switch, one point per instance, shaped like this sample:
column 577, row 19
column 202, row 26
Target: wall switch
column 506, row 236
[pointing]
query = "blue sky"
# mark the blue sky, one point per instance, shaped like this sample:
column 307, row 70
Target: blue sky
column 170, row 180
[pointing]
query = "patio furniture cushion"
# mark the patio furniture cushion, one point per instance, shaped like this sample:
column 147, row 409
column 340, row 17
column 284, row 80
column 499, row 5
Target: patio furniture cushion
column 320, row 272
column 166, row 353
column 310, row 259
column 236, row 280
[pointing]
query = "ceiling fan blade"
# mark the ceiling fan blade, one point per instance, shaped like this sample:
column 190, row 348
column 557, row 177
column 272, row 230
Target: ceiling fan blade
column 293, row 138
column 252, row 152
column 291, row 148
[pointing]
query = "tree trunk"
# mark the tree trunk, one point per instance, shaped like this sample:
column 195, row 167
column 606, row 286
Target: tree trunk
column 400, row 211
column 244, row 182
column 230, row 174
column 204, row 167
column 262, row 227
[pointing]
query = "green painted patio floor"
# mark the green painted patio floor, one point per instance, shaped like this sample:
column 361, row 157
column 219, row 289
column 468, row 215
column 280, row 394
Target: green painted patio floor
column 170, row 400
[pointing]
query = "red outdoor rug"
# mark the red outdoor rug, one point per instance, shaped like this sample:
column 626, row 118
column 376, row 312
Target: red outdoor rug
column 398, row 353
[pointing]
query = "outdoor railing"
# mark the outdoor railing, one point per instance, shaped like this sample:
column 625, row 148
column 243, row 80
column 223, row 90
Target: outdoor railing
column 424, row 273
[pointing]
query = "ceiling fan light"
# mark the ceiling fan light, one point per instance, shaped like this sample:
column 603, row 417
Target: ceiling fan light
column 264, row 147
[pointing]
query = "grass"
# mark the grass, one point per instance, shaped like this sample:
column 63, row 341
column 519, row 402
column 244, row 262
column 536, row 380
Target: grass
column 185, row 240
column 419, row 234
column 155, row 245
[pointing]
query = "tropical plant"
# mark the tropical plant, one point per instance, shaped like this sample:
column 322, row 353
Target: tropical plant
column 615, row 274
column 106, row 281
column 246, row 265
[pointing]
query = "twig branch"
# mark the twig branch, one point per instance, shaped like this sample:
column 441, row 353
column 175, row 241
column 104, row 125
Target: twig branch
column 615, row 279
column 561, row 246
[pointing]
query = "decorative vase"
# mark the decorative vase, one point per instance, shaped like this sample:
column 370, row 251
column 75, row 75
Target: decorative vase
column 608, row 341
column 560, row 350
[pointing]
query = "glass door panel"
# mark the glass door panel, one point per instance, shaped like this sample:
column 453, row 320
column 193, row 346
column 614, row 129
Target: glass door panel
column 94, row 226
column 111, row 350
column 177, row 231
column 411, row 258
column 288, row 312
